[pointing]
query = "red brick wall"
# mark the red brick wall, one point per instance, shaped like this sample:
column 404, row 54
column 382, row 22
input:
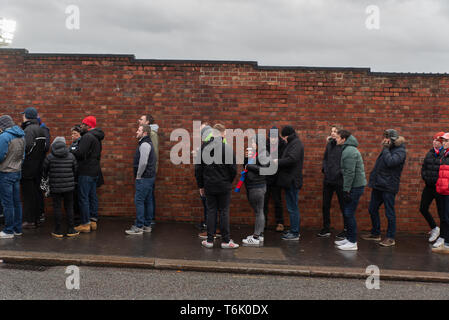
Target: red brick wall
column 117, row 89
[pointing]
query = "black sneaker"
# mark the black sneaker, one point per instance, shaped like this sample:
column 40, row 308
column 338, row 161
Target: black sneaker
column 324, row 233
column 341, row 235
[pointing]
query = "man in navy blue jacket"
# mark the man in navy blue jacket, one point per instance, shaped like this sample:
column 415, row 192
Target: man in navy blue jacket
column 384, row 180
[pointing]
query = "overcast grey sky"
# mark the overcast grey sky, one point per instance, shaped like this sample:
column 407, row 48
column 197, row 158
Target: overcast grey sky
column 413, row 34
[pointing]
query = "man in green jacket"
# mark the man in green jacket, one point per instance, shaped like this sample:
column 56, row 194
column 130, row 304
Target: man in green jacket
column 354, row 182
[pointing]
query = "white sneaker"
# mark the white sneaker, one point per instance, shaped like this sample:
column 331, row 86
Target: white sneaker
column 206, row 244
column 6, row 235
column 434, row 234
column 229, row 245
column 250, row 241
column 438, row 243
column 341, row 242
column 349, row 246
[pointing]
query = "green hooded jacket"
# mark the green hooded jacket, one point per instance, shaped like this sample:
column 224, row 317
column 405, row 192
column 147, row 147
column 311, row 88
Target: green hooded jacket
column 352, row 165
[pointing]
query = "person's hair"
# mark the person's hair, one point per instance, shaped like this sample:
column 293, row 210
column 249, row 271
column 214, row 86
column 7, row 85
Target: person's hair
column 146, row 128
column 76, row 128
column 344, row 134
column 337, row 126
column 220, row 127
column 205, row 123
column 149, row 118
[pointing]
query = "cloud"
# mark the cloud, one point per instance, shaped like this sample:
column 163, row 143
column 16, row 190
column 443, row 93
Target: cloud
column 412, row 35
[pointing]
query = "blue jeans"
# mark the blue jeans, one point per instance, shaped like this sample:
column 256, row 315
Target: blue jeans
column 144, row 201
column 291, row 198
column 10, row 199
column 349, row 214
column 377, row 199
column 87, row 198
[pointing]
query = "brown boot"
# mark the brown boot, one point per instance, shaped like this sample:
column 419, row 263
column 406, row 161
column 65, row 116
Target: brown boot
column 85, row 228
column 93, row 225
column 387, row 242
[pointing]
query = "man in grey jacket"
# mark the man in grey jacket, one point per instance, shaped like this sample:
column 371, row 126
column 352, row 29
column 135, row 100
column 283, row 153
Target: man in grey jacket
column 145, row 174
column 149, row 120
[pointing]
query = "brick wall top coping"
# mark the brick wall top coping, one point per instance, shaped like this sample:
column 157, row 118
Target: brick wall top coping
column 132, row 60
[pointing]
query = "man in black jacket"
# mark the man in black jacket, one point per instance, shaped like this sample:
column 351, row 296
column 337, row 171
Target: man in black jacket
column 384, row 180
column 35, row 142
column 333, row 182
column 214, row 176
column 429, row 173
column 275, row 147
column 290, row 177
column 88, row 155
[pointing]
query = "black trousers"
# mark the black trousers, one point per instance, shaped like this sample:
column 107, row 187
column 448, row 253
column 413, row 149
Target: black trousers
column 67, row 197
column 31, row 203
column 218, row 203
column 328, row 192
column 276, row 193
column 76, row 208
column 427, row 196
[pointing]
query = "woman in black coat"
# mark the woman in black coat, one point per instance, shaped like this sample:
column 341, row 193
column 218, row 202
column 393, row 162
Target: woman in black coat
column 60, row 167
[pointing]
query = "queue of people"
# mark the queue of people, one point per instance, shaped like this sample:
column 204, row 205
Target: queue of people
column 73, row 173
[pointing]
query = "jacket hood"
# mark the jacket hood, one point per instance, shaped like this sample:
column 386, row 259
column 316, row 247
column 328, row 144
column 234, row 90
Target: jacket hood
column 205, row 133
column 16, row 131
column 292, row 137
column 351, row 141
column 97, row 133
column 154, row 127
column 399, row 141
column 29, row 122
column 59, row 149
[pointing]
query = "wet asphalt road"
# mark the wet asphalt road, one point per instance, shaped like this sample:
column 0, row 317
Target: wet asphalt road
column 34, row 282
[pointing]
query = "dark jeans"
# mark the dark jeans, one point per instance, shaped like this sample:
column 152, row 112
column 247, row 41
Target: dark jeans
column 328, row 192
column 444, row 205
column 428, row 194
column 10, row 199
column 276, row 193
column 291, row 198
column 87, row 198
column 143, row 202
column 153, row 201
column 218, row 203
column 377, row 199
column 349, row 214
column 31, row 208
column 67, row 197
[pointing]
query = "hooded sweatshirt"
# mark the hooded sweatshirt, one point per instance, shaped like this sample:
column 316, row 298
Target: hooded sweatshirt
column 60, row 167
column 155, row 140
column 352, row 165
column 12, row 149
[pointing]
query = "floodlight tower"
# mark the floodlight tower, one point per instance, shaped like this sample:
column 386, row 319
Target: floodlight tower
column 7, row 29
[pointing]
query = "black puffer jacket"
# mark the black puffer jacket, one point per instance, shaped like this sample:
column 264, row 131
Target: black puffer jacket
column 271, row 179
column 60, row 166
column 291, row 163
column 386, row 174
column 253, row 177
column 88, row 153
column 332, row 163
column 431, row 167
column 35, row 141
column 216, row 178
